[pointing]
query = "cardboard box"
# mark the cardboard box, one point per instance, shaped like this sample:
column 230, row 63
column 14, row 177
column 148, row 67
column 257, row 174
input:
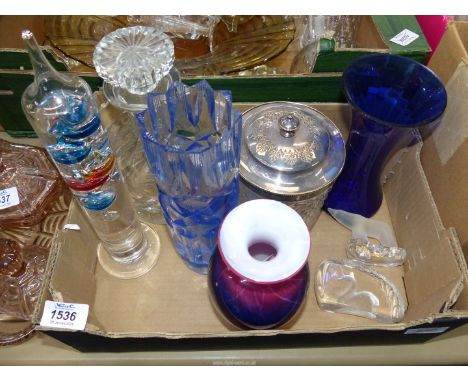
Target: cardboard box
column 323, row 85
column 445, row 153
column 171, row 302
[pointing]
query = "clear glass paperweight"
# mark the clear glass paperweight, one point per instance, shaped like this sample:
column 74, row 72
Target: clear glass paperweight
column 62, row 110
column 348, row 286
column 134, row 61
column 385, row 253
column 375, row 254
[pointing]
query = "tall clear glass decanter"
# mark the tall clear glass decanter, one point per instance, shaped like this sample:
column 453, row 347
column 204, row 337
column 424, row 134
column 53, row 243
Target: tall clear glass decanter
column 133, row 62
column 63, row 112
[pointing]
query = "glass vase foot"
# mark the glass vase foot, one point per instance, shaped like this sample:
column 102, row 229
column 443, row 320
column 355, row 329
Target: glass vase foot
column 150, row 211
column 138, row 267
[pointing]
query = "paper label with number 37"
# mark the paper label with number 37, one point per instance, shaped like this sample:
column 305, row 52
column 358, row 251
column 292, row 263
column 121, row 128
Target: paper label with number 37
column 8, row 197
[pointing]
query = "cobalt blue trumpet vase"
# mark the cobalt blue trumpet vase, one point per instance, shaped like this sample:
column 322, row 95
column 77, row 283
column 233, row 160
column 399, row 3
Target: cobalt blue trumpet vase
column 391, row 96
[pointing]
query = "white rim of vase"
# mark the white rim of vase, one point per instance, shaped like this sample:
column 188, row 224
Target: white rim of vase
column 270, row 222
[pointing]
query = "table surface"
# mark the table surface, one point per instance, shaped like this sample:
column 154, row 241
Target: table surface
column 448, row 348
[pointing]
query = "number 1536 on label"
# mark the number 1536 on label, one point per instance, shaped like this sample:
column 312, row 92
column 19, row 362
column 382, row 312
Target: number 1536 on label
column 64, row 315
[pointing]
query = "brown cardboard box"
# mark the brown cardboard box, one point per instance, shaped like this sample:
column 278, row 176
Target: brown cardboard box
column 445, row 154
column 173, row 302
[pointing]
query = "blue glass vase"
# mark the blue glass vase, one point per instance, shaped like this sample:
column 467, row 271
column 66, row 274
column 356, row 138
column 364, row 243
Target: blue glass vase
column 391, row 96
column 191, row 136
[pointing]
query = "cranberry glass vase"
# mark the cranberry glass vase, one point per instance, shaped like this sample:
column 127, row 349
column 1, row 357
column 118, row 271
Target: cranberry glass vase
column 260, row 276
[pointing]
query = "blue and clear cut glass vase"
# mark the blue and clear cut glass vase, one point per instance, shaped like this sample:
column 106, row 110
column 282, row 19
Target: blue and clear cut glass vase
column 191, row 137
column 391, row 96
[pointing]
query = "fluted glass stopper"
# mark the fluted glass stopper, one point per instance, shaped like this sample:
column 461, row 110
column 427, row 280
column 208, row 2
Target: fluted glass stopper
column 132, row 62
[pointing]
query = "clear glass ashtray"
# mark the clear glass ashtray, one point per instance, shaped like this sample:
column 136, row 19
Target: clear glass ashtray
column 348, row 286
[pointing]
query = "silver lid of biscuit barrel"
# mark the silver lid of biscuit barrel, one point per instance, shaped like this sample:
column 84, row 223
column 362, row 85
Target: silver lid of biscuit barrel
column 290, row 150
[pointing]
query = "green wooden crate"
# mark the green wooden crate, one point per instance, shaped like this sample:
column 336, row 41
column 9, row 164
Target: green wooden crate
column 323, row 85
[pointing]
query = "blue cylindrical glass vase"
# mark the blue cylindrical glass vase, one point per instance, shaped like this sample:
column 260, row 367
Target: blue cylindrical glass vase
column 391, row 96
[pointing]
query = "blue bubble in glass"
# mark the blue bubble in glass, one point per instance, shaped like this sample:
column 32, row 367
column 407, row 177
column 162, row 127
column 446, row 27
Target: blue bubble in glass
column 60, row 128
column 77, row 110
column 71, row 108
column 68, row 152
column 391, row 96
column 72, row 121
column 97, row 200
